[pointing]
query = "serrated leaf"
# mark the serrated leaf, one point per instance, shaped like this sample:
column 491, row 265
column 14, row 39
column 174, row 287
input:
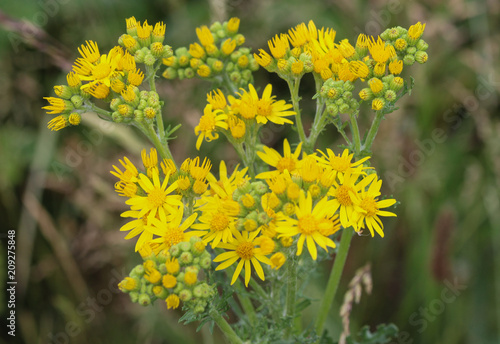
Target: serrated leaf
column 382, row 335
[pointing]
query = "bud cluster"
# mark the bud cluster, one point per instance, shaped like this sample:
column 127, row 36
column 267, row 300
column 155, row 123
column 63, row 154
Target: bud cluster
column 219, row 52
column 135, row 105
column 173, row 275
column 407, row 43
column 145, row 42
column 382, row 90
column 338, row 97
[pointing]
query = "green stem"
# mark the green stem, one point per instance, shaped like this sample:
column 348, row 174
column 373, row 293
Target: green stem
column 293, row 85
column 229, row 84
column 379, row 115
column 334, row 279
column 153, row 137
column 98, row 110
column 355, row 133
column 317, row 127
column 151, row 75
column 291, row 292
column 225, row 327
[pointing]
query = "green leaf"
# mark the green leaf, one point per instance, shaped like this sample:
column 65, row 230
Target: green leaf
column 382, row 335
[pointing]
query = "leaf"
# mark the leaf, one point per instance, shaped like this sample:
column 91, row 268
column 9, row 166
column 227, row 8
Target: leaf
column 382, row 335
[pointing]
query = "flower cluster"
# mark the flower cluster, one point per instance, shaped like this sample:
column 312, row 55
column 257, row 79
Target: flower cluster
column 173, row 275
column 190, row 223
column 306, row 49
column 218, row 54
column 113, row 77
column 242, row 116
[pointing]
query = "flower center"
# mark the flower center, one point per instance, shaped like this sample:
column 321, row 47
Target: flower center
column 286, row 163
column 245, row 250
column 370, row 206
column 207, row 123
column 219, row 222
column 307, row 224
column 173, row 237
column 264, row 108
column 342, row 195
column 156, row 197
column 101, row 71
column 340, row 164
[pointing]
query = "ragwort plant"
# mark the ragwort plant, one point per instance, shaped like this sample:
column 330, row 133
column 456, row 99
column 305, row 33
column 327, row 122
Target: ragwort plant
column 247, row 233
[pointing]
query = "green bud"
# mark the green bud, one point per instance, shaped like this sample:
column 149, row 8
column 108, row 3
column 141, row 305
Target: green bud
column 409, row 60
column 229, row 67
column 149, row 60
column 185, row 295
column 198, row 291
column 139, row 56
column 347, row 95
column 170, row 73
column 390, row 95
column 180, row 74
column 262, row 218
column 162, row 268
column 192, row 269
column 175, row 251
column 348, row 86
column 114, row 103
column 421, row 57
column 185, row 246
column 247, row 75
column 235, row 56
column 216, row 26
column 180, row 285
column 138, row 116
column 235, row 77
column 260, row 187
column 344, row 108
column 205, row 262
column 422, row 45
column 134, row 296
column 144, row 299
column 142, row 104
column 253, row 65
column 332, row 109
column 189, row 73
column 385, row 35
column 117, row 117
column 199, row 309
column 186, row 258
column 77, row 101
column 411, row 50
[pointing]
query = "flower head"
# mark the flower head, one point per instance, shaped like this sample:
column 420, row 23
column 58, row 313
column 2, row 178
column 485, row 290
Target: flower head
column 314, row 225
column 243, row 248
column 289, row 161
column 209, row 122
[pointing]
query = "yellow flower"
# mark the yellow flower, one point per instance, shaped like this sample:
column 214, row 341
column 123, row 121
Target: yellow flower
column 243, row 248
column 57, row 105
column 367, row 209
column 277, row 260
column 288, row 161
column 226, row 185
column 416, row 31
column 171, row 231
column 129, row 174
column 209, row 122
column 228, row 46
column 157, row 199
column 218, row 219
column 199, row 171
column 396, row 67
column 346, row 49
column 380, row 51
column 217, row 100
column 58, row 123
column 103, row 72
column 135, row 77
column 279, row 46
column 138, row 227
column 344, row 194
column 205, row 36
column 267, row 109
column 172, row 301
column 263, row 59
column 313, row 224
column 90, row 51
column 233, row 25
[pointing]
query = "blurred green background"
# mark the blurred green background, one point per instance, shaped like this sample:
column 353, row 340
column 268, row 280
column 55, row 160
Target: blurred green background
column 436, row 273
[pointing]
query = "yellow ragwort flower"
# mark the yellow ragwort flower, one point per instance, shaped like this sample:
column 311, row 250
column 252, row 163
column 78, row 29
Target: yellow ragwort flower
column 209, row 122
column 314, row 225
column 288, row 161
column 243, row 248
column 367, row 209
